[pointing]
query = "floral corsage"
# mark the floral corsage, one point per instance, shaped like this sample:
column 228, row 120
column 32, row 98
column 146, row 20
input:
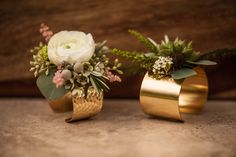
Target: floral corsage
column 175, row 59
column 71, row 61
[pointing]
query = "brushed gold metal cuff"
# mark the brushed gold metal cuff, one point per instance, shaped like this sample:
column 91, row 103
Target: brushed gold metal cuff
column 168, row 99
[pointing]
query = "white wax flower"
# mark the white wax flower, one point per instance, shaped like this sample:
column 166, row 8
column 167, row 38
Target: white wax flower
column 162, row 66
column 70, row 46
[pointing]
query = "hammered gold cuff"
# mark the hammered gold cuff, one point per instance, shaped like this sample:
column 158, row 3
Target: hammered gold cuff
column 82, row 107
column 168, row 99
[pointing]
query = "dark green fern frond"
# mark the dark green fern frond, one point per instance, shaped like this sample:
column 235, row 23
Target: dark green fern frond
column 150, row 46
column 219, row 53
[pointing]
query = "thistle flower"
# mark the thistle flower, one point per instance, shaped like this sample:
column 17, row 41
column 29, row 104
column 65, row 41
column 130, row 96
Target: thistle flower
column 58, row 79
column 78, row 67
column 105, row 49
column 66, row 74
column 162, row 66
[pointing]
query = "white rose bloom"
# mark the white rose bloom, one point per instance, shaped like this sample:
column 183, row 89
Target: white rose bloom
column 70, row 46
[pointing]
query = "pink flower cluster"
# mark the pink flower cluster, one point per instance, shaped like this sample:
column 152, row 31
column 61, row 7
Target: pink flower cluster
column 45, row 31
column 58, row 79
column 111, row 77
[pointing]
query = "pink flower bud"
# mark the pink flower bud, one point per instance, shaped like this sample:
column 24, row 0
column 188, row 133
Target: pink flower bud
column 58, row 79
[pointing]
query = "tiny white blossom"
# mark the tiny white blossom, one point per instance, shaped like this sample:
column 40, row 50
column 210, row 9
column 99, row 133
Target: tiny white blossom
column 162, row 66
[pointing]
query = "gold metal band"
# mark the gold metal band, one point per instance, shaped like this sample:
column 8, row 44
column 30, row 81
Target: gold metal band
column 168, row 98
column 86, row 108
column 82, row 108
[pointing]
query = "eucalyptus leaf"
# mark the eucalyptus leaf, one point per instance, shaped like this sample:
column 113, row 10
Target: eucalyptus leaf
column 48, row 88
column 202, row 62
column 183, row 73
column 192, row 55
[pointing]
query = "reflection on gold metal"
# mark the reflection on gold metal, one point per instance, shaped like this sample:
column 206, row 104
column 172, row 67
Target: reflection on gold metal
column 167, row 98
column 63, row 104
column 86, row 108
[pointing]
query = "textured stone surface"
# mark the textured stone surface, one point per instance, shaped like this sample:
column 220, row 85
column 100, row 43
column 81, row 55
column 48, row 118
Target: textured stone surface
column 28, row 127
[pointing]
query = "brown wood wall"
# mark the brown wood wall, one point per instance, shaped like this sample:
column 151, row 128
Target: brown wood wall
column 210, row 24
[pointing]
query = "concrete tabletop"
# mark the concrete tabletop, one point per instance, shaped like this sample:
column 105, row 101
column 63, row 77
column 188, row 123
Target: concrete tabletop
column 28, row 127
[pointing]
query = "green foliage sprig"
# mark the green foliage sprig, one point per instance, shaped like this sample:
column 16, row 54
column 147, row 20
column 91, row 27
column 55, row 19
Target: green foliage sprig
column 146, row 41
column 144, row 60
column 169, row 58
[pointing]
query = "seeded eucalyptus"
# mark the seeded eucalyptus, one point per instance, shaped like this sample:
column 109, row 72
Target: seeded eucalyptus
column 40, row 62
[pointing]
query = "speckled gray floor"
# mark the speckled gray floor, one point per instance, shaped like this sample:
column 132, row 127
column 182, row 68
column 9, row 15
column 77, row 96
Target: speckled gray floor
column 28, row 127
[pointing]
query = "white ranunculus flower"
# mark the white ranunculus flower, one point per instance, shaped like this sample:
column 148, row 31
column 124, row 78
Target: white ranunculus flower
column 70, row 46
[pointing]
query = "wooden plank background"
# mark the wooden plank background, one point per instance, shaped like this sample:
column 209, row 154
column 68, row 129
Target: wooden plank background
column 210, row 24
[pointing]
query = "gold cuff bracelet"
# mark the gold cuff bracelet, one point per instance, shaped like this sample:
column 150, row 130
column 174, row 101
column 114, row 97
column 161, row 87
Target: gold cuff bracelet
column 168, row 99
column 82, row 108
